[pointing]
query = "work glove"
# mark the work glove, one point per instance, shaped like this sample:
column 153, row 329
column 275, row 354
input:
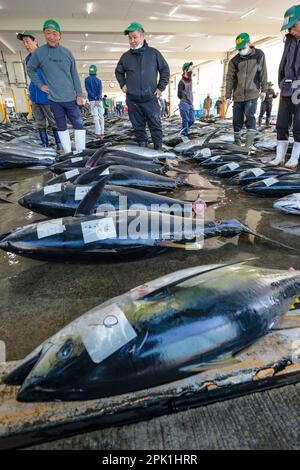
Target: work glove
column 263, row 96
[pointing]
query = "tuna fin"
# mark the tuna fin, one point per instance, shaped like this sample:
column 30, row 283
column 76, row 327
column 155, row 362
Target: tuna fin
column 98, row 154
column 91, row 175
column 87, row 204
column 220, row 361
column 263, row 237
column 210, row 136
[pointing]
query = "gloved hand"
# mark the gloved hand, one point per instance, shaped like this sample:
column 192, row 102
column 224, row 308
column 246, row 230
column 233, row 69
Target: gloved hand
column 263, row 96
column 228, row 102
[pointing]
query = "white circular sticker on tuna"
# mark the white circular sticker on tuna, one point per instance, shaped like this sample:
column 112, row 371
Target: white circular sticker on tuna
column 104, row 332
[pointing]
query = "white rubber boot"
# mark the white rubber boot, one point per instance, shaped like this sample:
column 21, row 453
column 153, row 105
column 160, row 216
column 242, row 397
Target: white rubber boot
column 79, row 139
column 294, row 160
column 65, row 140
column 281, row 149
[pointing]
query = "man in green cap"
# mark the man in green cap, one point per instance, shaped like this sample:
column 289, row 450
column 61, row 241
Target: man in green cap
column 267, row 105
column 62, row 84
column 288, row 79
column 136, row 73
column 93, row 86
column 39, row 99
column 246, row 81
column 185, row 94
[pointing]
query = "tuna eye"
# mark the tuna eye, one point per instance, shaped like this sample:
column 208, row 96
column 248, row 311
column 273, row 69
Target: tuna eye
column 65, row 351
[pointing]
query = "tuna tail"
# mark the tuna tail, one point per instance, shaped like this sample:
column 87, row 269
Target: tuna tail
column 91, row 175
column 87, row 204
column 94, row 159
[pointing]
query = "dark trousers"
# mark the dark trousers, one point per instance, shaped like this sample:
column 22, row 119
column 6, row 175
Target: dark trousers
column 187, row 114
column 288, row 115
column 64, row 110
column 266, row 107
column 240, row 111
column 141, row 114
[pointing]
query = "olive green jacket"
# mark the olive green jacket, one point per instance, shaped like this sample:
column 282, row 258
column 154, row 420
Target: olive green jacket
column 247, row 76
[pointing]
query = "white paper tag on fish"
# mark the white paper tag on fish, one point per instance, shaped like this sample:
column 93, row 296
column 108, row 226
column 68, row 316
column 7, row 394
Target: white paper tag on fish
column 233, row 166
column 53, row 188
column 270, row 181
column 75, row 160
column 257, row 171
column 101, row 229
column 104, row 332
column 205, row 153
column 214, row 159
column 76, row 152
column 53, row 227
column 81, row 192
column 105, row 172
column 71, row 173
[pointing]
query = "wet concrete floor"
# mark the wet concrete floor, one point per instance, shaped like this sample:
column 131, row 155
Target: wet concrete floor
column 38, row 298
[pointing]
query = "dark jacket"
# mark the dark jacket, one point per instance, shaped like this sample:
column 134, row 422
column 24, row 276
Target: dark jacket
column 281, row 73
column 185, row 91
column 247, row 76
column 138, row 70
column 36, row 95
column 93, row 88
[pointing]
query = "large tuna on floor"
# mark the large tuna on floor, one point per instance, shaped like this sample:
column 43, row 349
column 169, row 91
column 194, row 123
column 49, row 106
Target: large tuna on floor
column 166, row 330
column 275, row 187
column 22, row 157
column 289, row 204
column 254, row 174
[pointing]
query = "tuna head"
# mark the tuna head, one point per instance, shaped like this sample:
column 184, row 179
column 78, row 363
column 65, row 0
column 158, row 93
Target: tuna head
column 290, row 204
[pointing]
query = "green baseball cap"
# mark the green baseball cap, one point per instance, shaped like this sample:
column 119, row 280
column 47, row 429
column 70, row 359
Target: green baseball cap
column 270, row 83
column 291, row 16
column 186, row 65
column 51, row 24
column 241, row 41
column 133, row 27
column 93, row 70
column 28, row 34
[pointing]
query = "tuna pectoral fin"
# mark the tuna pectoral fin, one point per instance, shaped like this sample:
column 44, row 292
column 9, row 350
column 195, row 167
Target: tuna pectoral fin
column 221, row 361
column 88, row 202
column 267, row 239
column 91, row 175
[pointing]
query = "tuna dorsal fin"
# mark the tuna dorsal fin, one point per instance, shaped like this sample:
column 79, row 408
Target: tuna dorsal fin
column 210, row 136
column 98, row 154
column 87, row 204
column 91, row 175
column 162, row 291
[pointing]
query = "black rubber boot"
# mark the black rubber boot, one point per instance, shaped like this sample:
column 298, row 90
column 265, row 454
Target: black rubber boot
column 143, row 144
column 157, row 146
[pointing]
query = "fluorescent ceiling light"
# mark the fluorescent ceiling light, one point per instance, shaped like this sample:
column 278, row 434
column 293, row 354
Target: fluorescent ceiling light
column 86, row 35
column 173, row 11
column 89, row 8
column 187, row 48
column 85, row 48
column 248, row 13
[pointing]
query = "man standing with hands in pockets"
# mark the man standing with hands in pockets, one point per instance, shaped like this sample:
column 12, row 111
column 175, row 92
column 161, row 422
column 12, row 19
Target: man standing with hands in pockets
column 137, row 74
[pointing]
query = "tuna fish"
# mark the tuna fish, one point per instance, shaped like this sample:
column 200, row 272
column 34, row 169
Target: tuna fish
column 289, row 204
column 163, row 331
column 275, row 187
column 255, row 174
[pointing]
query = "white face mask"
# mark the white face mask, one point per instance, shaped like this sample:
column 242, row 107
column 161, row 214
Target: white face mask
column 137, row 47
column 245, row 51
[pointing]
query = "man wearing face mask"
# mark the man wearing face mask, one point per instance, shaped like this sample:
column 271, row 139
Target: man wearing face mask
column 136, row 73
column 288, row 78
column 246, row 81
column 185, row 94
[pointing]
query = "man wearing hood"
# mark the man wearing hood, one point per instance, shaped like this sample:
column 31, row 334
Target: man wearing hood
column 136, row 73
column 246, row 81
column 289, row 84
column 185, row 94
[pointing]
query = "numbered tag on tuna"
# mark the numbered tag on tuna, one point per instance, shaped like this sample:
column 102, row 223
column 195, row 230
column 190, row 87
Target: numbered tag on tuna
column 257, row 171
column 205, row 153
column 105, row 172
column 214, row 159
column 104, row 332
column 71, row 173
column 53, row 188
column 101, row 229
column 270, row 181
column 233, row 166
column 75, row 160
column 76, row 152
column 53, row 227
column 81, row 192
